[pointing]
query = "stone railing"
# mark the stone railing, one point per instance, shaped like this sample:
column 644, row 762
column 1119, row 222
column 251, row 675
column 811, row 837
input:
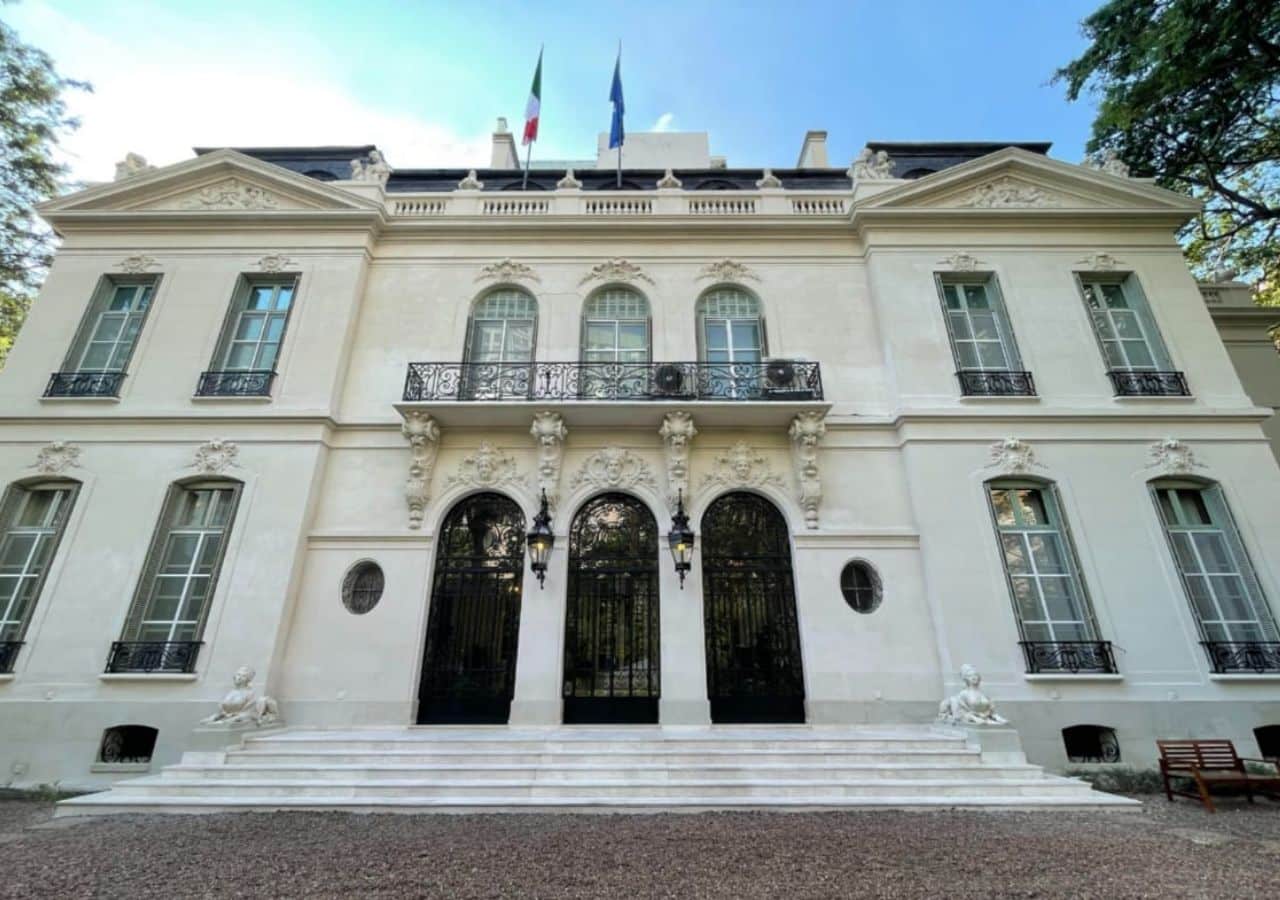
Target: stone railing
column 620, row 204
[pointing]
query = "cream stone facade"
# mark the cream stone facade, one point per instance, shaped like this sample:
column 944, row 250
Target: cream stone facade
column 338, row 452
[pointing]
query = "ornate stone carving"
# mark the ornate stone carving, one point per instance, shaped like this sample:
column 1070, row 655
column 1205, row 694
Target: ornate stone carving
column 677, row 433
column 132, row 164
column 1008, row 192
column 614, row 467
column 669, row 180
column 969, row 706
column 615, row 270
column 243, row 706
column 216, row 456
column 423, row 435
column 727, row 270
column 487, row 467
column 507, row 270
column 231, row 194
column 549, row 432
column 275, row 262
column 806, row 431
column 740, row 466
column 137, row 264
column 1012, row 456
column 1099, row 262
column 373, row 169
column 569, row 182
column 961, row 262
column 769, row 181
column 471, row 182
column 1173, row 457
column 871, row 166
column 56, row 457
column 1108, row 162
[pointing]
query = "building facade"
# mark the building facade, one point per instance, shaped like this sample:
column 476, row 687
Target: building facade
column 1250, row 333
column 961, row 404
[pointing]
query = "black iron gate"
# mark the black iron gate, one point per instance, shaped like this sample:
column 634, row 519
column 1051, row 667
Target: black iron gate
column 754, row 670
column 469, row 664
column 611, row 671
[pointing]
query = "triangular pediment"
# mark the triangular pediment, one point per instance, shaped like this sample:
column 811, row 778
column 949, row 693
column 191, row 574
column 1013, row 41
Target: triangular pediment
column 221, row 181
column 1017, row 180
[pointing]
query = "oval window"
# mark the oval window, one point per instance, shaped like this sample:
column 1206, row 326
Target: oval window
column 362, row 587
column 861, row 586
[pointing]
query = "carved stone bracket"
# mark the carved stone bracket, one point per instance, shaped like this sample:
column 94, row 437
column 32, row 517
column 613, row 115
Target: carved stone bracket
column 488, row 467
column 616, row 270
column 136, row 265
column 1173, row 457
column 1012, row 457
column 614, row 467
column 423, row 435
column 549, row 432
column 807, row 429
column 677, row 433
column 507, row 270
column 216, row 456
column 1008, row 192
column 56, row 457
column 728, row 270
column 740, row 466
column 962, row 262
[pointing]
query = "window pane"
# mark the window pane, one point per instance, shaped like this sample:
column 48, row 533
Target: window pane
column 1047, row 553
column 240, row 356
column 968, row 353
column 975, row 296
column 284, row 297
column 1231, row 596
column 250, row 327
column 267, row 358
column 1126, row 326
column 15, row 552
column 717, row 335
column 1114, row 296
column 109, row 328
column 949, row 293
column 1031, row 507
column 746, row 335
column 1003, row 504
column 1059, row 600
column 960, row 326
column 98, row 356
column 260, row 297
column 1026, row 599
column 984, row 326
column 1201, row 599
column 1186, row 557
column 1139, row 355
column 122, row 298
column 1015, row 554
column 633, row 336
column 519, row 341
column 1194, row 508
column 1114, row 356
column 1214, row 553
column 600, row 335
column 991, row 355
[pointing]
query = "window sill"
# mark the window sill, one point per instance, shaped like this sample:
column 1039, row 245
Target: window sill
column 229, row 398
column 147, row 676
column 1159, row 398
column 999, row 398
column 6, row 677
column 1244, row 676
column 121, row 768
column 1079, row 676
column 87, row 398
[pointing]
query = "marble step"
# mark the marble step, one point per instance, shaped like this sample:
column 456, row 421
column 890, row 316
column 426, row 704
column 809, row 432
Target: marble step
column 639, row 745
column 431, row 756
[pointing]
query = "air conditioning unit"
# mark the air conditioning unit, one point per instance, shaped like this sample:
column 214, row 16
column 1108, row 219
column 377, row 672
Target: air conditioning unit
column 668, row 381
column 784, row 381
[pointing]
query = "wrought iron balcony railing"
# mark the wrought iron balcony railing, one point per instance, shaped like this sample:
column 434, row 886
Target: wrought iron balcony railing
column 974, row 383
column 8, row 655
column 1234, row 657
column 242, row 383
column 153, row 656
column 763, row 381
column 1075, row 657
column 1139, row 383
column 84, row 384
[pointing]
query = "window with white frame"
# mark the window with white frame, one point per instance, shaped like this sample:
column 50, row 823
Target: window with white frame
column 1044, row 578
column 1220, row 582
column 181, row 573
column 33, row 518
column 730, row 328
column 255, row 326
column 111, row 325
column 1123, row 323
column 981, row 336
column 615, row 327
column 502, row 328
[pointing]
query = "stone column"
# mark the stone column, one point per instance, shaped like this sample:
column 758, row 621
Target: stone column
column 540, row 656
column 684, row 650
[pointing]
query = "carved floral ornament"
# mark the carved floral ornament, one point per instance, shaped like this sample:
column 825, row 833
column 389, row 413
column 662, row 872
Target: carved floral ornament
column 614, row 467
column 231, row 194
column 962, row 262
column 56, row 457
column 214, row 457
column 616, row 270
column 742, row 465
column 1006, row 192
column 807, row 430
column 507, row 270
column 677, row 433
column 727, row 270
column 275, row 262
column 1172, row 457
column 487, row 467
column 423, row 435
column 1012, row 457
column 137, row 264
column 548, row 432
column 1100, row 262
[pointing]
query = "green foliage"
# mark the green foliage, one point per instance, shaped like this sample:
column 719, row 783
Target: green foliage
column 33, row 117
column 1118, row 779
column 1188, row 93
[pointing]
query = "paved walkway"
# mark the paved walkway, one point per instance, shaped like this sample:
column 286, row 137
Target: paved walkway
column 1163, row 850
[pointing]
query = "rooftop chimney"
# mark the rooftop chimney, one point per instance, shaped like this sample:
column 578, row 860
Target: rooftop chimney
column 504, row 154
column 813, row 155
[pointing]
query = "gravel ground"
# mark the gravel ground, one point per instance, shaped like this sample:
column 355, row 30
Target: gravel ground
column 1164, row 850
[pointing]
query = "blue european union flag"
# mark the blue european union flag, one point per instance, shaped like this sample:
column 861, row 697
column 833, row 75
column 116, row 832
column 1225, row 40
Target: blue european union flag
column 616, row 133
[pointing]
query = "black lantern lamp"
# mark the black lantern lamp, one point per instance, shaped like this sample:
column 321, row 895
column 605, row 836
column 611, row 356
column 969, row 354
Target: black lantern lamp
column 681, row 538
column 540, row 539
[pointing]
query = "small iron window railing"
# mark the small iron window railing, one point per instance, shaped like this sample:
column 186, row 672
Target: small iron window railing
column 1148, row 383
column 84, row 384
column 1074, row 657
column 990, row 383
column 1235, row 657
column 242, row 383
column 153, row 656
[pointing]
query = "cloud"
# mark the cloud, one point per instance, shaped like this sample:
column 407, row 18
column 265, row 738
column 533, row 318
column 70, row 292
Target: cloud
column 162, row 104
column 664, row 123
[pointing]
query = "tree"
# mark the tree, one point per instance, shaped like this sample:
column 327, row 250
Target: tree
column 33, row 118
column 1188, row 93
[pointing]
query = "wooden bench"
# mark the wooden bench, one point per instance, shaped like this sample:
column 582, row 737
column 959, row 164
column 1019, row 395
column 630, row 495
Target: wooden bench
column 1213, row 763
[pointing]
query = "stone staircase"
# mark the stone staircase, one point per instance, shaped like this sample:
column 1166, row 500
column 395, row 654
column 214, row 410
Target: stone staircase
column 627, row 768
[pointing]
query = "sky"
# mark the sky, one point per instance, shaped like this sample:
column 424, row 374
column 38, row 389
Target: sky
column 426, row 80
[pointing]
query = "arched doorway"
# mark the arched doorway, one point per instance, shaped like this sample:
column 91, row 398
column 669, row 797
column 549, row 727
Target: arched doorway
column 611, row 662
column 754, row 670
column 469, row 663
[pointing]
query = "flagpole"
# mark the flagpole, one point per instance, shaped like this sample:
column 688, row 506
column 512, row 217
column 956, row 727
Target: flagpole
column 527, row 154
column 624, row 140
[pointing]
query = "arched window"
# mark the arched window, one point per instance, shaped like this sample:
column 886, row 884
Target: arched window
column 1091, row 744
column 730, row 329
column 502, row 327
column 615, row 327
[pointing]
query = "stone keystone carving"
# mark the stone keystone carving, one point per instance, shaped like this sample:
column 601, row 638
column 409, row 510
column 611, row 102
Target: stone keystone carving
column 969, row 706
column 1108, row 162
column 56, row 457
column 471, row 182
column 132, row 164
column 231, row 194
column 216, row 456
column 1012, row 456
column 487, row 467
column 871, row 166
column 616, row 270
column 727, row 270
column 1173, row 457
column 1099, row 262
column 962, row 262
column 614, row 467
column 569, row 182
column 243, row 706
column 507, row 270
column 1008, row 192
column 275, row 262
column 677, row 433
column 768, row 180
column 136, row 265
column 806, row 431
column 669, row 180
column 740, row 466
column 423, row 435
column 373, row 169
column 549, row 432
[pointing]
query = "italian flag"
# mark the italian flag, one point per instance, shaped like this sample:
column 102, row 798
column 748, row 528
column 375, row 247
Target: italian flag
column 534, row 106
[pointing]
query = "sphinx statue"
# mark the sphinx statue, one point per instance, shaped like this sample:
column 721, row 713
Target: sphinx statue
column 970, row 706
column 242, row 705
